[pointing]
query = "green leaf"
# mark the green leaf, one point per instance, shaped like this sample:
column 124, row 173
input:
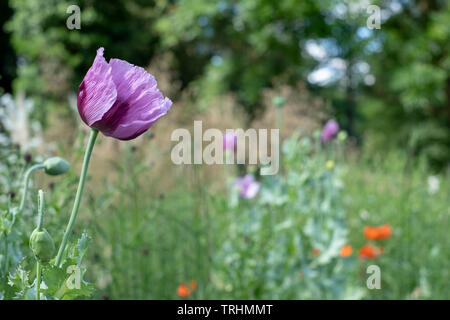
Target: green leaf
column 18, row 283
column 61, row 282
column 57, row 280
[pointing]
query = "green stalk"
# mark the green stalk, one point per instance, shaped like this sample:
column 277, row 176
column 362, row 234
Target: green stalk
column 6, row 268
column 41, row 206
column 279, row 120
column 26, row 182
column 38, row 280
column 39, row 227
column 76, row 205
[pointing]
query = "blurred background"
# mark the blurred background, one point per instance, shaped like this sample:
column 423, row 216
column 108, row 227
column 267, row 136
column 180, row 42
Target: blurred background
column 161, row 231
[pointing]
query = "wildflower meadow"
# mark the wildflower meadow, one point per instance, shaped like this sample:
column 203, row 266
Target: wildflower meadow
column 224, row 150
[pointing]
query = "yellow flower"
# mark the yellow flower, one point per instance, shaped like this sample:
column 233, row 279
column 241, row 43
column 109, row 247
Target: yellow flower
column 329, row 164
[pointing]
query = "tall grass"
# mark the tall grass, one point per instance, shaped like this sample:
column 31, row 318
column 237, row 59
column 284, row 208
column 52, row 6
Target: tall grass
column 283, row 244
column 148, row 242
column 394, row 189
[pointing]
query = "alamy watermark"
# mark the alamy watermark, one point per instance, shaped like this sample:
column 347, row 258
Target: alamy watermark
column 257, row 147
column 74, row 20
column 374, row 280
column 374, row 20
column 74, row 280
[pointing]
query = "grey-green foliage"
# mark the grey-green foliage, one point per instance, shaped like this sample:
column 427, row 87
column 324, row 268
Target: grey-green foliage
column 21, row 282
column 11, row 232
column 17, row 250
column 268, row 251
column 58, row 281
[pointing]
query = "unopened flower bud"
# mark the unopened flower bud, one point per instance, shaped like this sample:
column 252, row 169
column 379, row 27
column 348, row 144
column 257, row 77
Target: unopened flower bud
column 42, row 245
column 55, row 166
column 279, row 101
column 342, row 136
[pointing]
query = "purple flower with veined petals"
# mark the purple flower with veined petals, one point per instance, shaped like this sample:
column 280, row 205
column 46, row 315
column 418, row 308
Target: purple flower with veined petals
column 248, row 187
column 119, row 99
column 330, row 130
column 230, row 141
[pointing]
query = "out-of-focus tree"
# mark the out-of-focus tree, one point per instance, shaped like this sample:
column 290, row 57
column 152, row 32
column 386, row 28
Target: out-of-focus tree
column 394, row 77
column 393, row 81
column 410, row 101
column 244, row 46
column 53, row 59
column 241, row 46
column 342, row 72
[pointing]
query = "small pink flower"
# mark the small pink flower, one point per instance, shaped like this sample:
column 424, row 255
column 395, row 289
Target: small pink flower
column 230, row 141
column 248, row 187
column 330, row 130
column 119, row 99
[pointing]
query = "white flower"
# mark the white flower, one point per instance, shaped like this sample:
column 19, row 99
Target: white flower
column 364, row 214
column 15, row 119
column 433, row 184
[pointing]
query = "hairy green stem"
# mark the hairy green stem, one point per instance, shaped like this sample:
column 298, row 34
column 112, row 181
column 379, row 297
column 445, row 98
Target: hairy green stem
column 76, row 205
column 6, row 268
column 41, row 206
column 279, row 120
column 26, row 182
column 38, row 280
column 40, row 209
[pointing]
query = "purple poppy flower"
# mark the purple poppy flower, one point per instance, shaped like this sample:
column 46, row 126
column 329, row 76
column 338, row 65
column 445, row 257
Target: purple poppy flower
column 119, row 99
column 230, row 141
column 330, row 130
column 248, row 187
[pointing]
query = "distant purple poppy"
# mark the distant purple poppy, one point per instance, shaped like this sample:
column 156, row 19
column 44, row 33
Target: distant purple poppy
column 330, row 130
column 119, row 99
column 248, row 187
column 230, row 141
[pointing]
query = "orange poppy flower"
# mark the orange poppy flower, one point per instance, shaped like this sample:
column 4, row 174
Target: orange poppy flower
column 315, row 252
column 369, row 251
column 384, row 231
column 193, row 284
column 346, row 251
column 371, row 233
column 183, row 291
column 378, row 233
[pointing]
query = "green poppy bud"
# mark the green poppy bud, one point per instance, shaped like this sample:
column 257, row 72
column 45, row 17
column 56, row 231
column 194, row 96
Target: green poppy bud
column 42, row 245
column 55, row 166
column 279, row 101
column 342, row 136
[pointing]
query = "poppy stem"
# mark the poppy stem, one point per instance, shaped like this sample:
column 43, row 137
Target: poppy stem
column 38, row 280
column 40, row 209
column 26, row 181
column 279, row 119
column 76, row 205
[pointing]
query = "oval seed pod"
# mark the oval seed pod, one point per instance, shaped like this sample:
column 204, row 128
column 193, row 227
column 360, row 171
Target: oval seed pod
column 279, row 101
column 56, row 165
column 42, row 245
